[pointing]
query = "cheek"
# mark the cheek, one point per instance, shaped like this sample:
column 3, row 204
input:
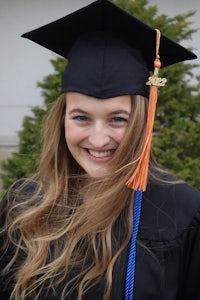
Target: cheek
column 72, row 133
column 119, row 134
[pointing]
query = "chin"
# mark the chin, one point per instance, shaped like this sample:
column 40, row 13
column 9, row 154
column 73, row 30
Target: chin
column 98, row 174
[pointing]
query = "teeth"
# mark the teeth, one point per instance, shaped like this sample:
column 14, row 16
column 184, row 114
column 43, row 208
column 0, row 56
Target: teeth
column 100, row 154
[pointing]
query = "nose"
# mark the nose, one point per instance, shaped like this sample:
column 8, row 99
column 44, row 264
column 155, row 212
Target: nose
column 99, row 136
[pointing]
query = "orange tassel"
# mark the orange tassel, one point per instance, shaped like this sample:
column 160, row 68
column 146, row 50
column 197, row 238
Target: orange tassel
column 138, row 180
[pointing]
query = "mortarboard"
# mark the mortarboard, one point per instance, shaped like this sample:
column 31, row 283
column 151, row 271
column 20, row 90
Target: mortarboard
column 110, row 53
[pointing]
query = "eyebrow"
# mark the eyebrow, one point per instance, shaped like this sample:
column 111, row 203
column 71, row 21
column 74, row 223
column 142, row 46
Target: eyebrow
column 78, row 110
column 120, row 111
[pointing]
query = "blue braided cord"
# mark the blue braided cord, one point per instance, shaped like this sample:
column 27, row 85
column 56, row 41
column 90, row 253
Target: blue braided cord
column 130, row 272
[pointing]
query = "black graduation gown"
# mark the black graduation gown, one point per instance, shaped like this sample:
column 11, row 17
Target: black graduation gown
column 168, row 250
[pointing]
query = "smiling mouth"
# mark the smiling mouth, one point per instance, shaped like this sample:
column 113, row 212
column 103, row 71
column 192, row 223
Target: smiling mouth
column 100, row 154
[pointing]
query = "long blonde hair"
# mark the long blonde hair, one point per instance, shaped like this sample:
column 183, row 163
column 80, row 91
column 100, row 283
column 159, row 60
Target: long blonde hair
column 55, row 230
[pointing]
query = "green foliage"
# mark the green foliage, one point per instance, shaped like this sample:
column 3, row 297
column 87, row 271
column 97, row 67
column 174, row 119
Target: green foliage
column 24, row 163
column 51, row 86
column 176, row 142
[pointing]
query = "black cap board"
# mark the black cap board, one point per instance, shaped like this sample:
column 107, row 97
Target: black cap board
column 110, row 52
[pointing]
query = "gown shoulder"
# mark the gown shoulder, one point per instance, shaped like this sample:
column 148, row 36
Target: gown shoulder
column 17, row 193
column 168, row 250
column 168, row 210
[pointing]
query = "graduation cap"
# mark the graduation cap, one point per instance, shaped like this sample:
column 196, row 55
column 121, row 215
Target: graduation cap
column 110, row 53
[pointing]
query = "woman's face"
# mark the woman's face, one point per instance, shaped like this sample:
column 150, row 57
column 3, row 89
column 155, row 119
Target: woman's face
column 94, row 129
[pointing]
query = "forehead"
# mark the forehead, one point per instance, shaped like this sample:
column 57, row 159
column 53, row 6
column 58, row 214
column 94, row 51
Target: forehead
column 78, row 101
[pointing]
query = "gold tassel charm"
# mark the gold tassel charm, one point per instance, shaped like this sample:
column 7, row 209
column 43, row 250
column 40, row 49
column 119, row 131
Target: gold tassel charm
column 154, row 80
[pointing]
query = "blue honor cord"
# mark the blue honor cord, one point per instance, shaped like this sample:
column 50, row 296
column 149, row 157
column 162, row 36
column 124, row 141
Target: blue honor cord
column 130, row 271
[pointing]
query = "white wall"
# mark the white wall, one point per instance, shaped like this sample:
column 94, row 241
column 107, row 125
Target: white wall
column 24, row 63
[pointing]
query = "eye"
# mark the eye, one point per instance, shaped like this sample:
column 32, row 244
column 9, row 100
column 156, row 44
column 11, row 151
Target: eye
column 119, row 120
column 81, row 118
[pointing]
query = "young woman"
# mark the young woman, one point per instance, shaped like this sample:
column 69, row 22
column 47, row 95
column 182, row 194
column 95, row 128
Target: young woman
column 70, row 231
